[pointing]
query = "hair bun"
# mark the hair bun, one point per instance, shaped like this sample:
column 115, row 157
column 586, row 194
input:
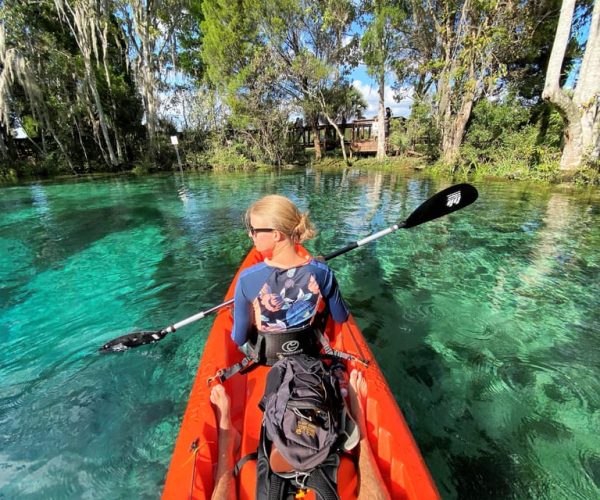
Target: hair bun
column 304, row 230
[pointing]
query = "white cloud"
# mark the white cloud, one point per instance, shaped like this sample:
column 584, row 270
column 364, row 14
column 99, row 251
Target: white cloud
column 371, row 96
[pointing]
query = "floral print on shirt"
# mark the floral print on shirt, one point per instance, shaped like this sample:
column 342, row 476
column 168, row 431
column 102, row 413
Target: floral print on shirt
column 289, row 299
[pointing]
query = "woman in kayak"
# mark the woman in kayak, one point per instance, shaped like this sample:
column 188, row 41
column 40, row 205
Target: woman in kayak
column 280, row 297
column 283, row 293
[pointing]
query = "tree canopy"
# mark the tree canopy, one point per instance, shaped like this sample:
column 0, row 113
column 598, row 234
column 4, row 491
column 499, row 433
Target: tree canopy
column 91, row 85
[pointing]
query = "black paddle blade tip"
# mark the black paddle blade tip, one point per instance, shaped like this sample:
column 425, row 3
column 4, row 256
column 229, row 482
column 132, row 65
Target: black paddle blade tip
column 131, row 340
column 443, row 203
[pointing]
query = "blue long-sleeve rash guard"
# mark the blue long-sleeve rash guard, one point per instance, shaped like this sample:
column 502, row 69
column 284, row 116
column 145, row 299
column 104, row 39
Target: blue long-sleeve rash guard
column 281, row 299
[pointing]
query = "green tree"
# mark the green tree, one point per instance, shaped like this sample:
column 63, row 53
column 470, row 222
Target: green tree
column 189, row 40
column 455, row 53
column 29, row 56
column 301, row 42
column 151, row 30
column 381, row 44
column 67, row 79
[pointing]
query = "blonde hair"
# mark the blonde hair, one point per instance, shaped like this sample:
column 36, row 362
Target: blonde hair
column 283, row 215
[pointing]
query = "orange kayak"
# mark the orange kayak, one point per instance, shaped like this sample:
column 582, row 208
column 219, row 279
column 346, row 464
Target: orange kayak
column 190, row 474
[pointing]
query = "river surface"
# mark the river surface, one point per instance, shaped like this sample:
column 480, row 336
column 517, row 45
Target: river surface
column 486, row 323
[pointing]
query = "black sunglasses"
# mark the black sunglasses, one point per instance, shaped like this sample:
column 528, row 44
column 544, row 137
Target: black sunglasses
column 254, row 230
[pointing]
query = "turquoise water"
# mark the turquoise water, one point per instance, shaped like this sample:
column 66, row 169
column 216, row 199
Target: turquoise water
column 486, row 324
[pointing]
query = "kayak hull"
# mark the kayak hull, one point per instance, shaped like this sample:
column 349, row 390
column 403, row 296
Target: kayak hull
column 194, row 459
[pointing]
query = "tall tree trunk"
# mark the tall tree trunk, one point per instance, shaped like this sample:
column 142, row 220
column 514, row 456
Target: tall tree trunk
column 78, row 127
column 119, row 148
column 97, row 137
column 455, row 130
column 381, row 135
column 3, row 146
column 60, row 145
column 581, row 112
column 443, row 116
column 143, row 32
column 148, row 87
column 314, row 128
column 100, row 110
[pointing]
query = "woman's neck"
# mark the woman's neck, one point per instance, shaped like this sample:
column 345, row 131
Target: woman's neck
column 285, row 255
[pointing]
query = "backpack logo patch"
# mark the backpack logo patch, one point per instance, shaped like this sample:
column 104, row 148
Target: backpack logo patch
column 306, row 428
column 290, row 346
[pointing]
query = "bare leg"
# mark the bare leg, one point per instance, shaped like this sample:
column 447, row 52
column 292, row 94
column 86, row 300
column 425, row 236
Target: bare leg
column 371, row 485
column 229, row 442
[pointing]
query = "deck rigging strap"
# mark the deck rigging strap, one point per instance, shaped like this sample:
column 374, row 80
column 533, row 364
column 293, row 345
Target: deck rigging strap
column 330, row 351
column 253, row 357
column 247, row 363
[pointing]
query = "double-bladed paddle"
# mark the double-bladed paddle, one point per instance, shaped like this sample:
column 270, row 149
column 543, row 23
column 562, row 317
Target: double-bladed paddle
column 443, row 203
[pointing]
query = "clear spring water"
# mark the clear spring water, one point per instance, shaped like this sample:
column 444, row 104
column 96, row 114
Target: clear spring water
column 486, row 324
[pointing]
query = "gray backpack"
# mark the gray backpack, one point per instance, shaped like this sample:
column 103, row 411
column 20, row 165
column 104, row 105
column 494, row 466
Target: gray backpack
column 305, row 423
column 305, row 416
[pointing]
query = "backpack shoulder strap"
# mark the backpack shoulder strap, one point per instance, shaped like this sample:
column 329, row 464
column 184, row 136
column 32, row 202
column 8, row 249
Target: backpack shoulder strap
column 278, row 488
column 322, row 485
column 242, row 461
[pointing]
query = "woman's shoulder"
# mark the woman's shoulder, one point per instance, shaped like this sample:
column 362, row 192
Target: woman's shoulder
column 318, row 264
column 253, row 269
column 309, row 266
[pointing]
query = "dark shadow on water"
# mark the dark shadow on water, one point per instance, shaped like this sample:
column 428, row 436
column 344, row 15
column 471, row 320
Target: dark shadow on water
column 487, row 476
column 72, row 233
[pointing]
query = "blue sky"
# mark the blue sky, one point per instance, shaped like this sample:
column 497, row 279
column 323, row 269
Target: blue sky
column 368, row 88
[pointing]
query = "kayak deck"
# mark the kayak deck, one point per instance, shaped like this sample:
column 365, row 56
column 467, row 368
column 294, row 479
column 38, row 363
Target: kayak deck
column 194, row 459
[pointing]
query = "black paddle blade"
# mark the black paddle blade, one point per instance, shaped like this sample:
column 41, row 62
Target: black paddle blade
column 443, row 203
column 134, row 339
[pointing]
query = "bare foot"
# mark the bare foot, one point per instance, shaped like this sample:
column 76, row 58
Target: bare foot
column 357, row 393
column 222, row 402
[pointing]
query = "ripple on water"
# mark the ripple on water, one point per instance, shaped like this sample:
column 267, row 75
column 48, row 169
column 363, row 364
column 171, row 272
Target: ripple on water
column 542, row 427
column 590, row 460
column 550, row 379
column 421, row 311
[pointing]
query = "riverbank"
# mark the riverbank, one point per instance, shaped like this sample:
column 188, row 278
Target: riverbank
column 548, row 173
column 232, row 161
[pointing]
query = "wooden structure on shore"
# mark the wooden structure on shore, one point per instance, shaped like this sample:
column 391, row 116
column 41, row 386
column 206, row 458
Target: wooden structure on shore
column 360, row 136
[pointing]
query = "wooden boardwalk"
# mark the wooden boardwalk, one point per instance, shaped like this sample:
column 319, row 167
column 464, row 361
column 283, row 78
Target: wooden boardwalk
column 360, row 136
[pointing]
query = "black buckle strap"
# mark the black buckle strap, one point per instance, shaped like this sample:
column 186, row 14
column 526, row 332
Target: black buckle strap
column 330, row 351
column 244, row 366
column 252, row 360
